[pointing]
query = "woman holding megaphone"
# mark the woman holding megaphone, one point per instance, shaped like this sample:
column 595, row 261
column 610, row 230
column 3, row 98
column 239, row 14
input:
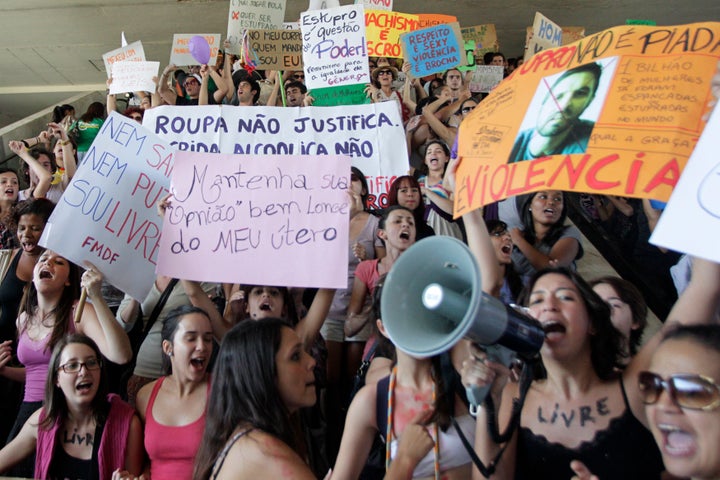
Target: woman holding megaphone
column 582, row 410
column 415, row 385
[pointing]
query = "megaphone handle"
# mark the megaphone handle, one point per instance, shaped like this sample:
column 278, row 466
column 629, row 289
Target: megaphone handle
column 495, row 353
column 476, row 396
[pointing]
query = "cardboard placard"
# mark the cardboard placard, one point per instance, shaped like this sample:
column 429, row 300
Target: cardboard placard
column 631, row 136
column 372, row 135
column 265, row 220
column 334, row 47
column 275, row 49
column 107, row 214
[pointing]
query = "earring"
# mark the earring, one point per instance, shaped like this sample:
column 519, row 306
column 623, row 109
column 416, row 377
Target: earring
column 170, row 354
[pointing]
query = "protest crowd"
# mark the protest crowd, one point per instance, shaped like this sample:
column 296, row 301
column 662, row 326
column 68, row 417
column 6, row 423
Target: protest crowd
column 218, row 379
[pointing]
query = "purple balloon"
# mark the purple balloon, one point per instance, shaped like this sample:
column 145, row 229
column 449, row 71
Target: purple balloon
column 200, row 49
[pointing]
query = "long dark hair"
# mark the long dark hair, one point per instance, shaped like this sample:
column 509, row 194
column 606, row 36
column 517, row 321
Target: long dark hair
column 606, row 342
column 424, row 170
column 556, row 230
column 95, row 110
column 629, row 294
column 55, row 403
column 62, row 313
column 244, row 392
column 419, row 211
column 363, row 181
column 170, row 325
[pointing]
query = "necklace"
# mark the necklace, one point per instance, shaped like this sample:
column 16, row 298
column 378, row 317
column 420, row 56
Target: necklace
column 389, row 433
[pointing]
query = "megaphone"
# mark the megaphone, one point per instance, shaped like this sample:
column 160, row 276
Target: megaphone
column 433, row 297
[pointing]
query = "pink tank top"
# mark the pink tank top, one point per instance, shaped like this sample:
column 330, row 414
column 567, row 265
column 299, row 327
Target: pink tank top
column 171, row 459
column 35, row 357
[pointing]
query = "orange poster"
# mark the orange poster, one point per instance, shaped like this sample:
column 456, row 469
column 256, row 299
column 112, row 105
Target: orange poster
column 426, row 20
column 618, row 113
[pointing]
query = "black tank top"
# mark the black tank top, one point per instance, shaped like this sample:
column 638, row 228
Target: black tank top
column 624, row 450
column 11, row 291
column 67, row 467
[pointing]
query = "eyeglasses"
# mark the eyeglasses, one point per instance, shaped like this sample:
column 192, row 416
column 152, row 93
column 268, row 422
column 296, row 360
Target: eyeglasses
column 385, row 72
column 74, row 367
column 689, row 391
column 467, row 109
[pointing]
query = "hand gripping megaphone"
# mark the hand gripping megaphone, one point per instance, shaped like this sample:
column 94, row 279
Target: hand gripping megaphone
column 433, row 297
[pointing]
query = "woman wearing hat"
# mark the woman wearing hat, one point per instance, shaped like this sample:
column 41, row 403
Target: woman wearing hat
column 381, row 89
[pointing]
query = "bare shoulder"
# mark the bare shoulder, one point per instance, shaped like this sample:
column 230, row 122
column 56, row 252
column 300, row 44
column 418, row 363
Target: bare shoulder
column 261, row 455
column 142, row 399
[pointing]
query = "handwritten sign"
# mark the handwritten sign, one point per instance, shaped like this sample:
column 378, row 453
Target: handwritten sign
column 545, row 34
column 334, row 47
column 376, row 4
column 252, row 14
column 347, row 95
column 180, row 51
column 372, row 135
column 631, row 135
column 133, row 77
column 434, row 49
column 268, row 220
column 132, row 52
column 695, row 202
column 486, row 77
column 383, row 29
column 107, row 215
column 276, row 49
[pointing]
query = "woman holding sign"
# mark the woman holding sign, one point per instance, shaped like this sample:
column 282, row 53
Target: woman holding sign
column 46, row 315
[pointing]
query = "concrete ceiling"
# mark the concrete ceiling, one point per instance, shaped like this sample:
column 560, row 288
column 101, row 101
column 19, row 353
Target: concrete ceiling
column 52, row 49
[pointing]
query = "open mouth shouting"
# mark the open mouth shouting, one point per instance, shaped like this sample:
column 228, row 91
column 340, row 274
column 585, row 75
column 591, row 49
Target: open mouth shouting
column 553, row 330
column 198, row 362
column 676, row 441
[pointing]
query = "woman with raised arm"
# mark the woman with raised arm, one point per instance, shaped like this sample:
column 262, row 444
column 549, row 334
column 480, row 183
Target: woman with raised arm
column 582, row 409
column 174, row 405
column 46, row 315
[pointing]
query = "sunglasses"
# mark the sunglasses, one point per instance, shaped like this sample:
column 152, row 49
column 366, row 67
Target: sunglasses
column 299, row 76
column 354, row 178
column 688, row 391
column 385, row 72
column 191, row 82
column 75, row 367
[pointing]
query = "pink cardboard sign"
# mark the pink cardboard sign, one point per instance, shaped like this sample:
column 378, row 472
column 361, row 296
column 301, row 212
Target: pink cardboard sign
column 267, row 220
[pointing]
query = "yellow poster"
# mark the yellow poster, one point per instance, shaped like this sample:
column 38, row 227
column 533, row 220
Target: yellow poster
column 383, row 29
column 616, row 113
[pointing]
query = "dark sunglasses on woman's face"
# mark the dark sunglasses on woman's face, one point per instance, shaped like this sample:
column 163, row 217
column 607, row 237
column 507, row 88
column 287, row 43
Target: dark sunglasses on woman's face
column 354, row 178
column 688, row 391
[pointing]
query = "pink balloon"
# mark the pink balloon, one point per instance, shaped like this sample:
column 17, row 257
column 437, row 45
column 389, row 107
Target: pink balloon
column 200, row 49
